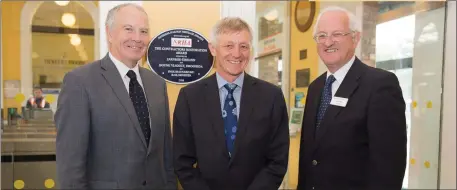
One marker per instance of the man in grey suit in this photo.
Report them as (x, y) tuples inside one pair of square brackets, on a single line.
[(113, 128)]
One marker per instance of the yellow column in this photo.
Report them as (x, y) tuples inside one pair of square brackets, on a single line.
[(299, 41), (11, 60)]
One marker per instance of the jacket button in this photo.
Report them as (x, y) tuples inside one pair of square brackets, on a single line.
[(144, 182), (314, 162)]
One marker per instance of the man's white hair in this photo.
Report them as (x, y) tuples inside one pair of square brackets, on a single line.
[(112, 13), (354, 23)]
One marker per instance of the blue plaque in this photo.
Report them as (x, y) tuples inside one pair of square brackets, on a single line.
[(180, 56)]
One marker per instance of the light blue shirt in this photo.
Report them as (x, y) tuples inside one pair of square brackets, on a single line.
[(236, 93)]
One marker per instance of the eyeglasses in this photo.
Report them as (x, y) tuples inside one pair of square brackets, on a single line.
[(336, 36)]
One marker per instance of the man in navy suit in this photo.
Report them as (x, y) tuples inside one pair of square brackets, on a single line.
[(354, 126), (220, 141)]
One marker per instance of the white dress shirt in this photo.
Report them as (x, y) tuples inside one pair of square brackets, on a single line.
[(236, 93), (339, 75), (123, 69)]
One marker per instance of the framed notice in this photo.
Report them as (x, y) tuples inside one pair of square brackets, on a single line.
[(12, 88), (180, 56), (302, 78), (295, 121)]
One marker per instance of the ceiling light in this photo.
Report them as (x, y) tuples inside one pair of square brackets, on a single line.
[(68, 19), (272, 15), (35, 55), (75, 40), (62, 3)]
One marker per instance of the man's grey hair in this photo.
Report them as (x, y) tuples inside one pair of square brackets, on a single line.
[(354, 24), (229, 24), (112, 13)]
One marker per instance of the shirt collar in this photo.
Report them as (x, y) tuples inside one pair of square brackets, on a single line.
[(122, 68), (341, 73), (221, 81)]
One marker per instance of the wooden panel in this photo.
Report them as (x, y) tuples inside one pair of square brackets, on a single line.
[(409, 10), (62, 30)]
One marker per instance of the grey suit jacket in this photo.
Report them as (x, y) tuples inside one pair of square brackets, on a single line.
[(99, 143)]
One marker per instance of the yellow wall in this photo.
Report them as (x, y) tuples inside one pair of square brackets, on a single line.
[(299, 41), (11, 60), (199, 16)]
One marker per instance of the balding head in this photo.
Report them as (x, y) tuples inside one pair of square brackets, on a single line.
[(127, 29), (353, 22), (111, 17), (337, 34)]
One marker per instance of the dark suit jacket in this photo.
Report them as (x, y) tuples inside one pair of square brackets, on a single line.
[(360, 146), (262, 142), (100, 144)]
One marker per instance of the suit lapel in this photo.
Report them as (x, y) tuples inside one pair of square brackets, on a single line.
[(111, 75), (346, 89), (153, 104), (247, 101), (213, 104)]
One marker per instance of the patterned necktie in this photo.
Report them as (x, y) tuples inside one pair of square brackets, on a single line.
[(230, 119), (139, 102), (325, 99)]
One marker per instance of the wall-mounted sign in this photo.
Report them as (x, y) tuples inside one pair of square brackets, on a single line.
[(271, 44), (11, 88), (63, 62), (296, 120), (180, 56), (302, 77)]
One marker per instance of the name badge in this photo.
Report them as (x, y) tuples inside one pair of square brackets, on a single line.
[(338, 101)]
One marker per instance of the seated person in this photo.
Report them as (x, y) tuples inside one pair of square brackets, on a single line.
[(37, 101)]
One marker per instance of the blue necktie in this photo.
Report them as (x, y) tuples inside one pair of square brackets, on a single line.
[(325, 99), (139, 102), (230, 119)]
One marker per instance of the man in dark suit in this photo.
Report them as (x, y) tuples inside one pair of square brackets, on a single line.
[(113, 127), (230, 130), (354, 126)]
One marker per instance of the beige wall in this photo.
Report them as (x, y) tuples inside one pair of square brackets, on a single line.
[(199, 16)]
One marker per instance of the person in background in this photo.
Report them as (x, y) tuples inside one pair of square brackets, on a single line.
[(37, 100), (354, 127)]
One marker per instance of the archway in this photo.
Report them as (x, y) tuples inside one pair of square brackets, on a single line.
[(27, 14)]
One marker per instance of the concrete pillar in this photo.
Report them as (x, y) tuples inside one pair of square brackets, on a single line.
[(448, 142), (368, 15)]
